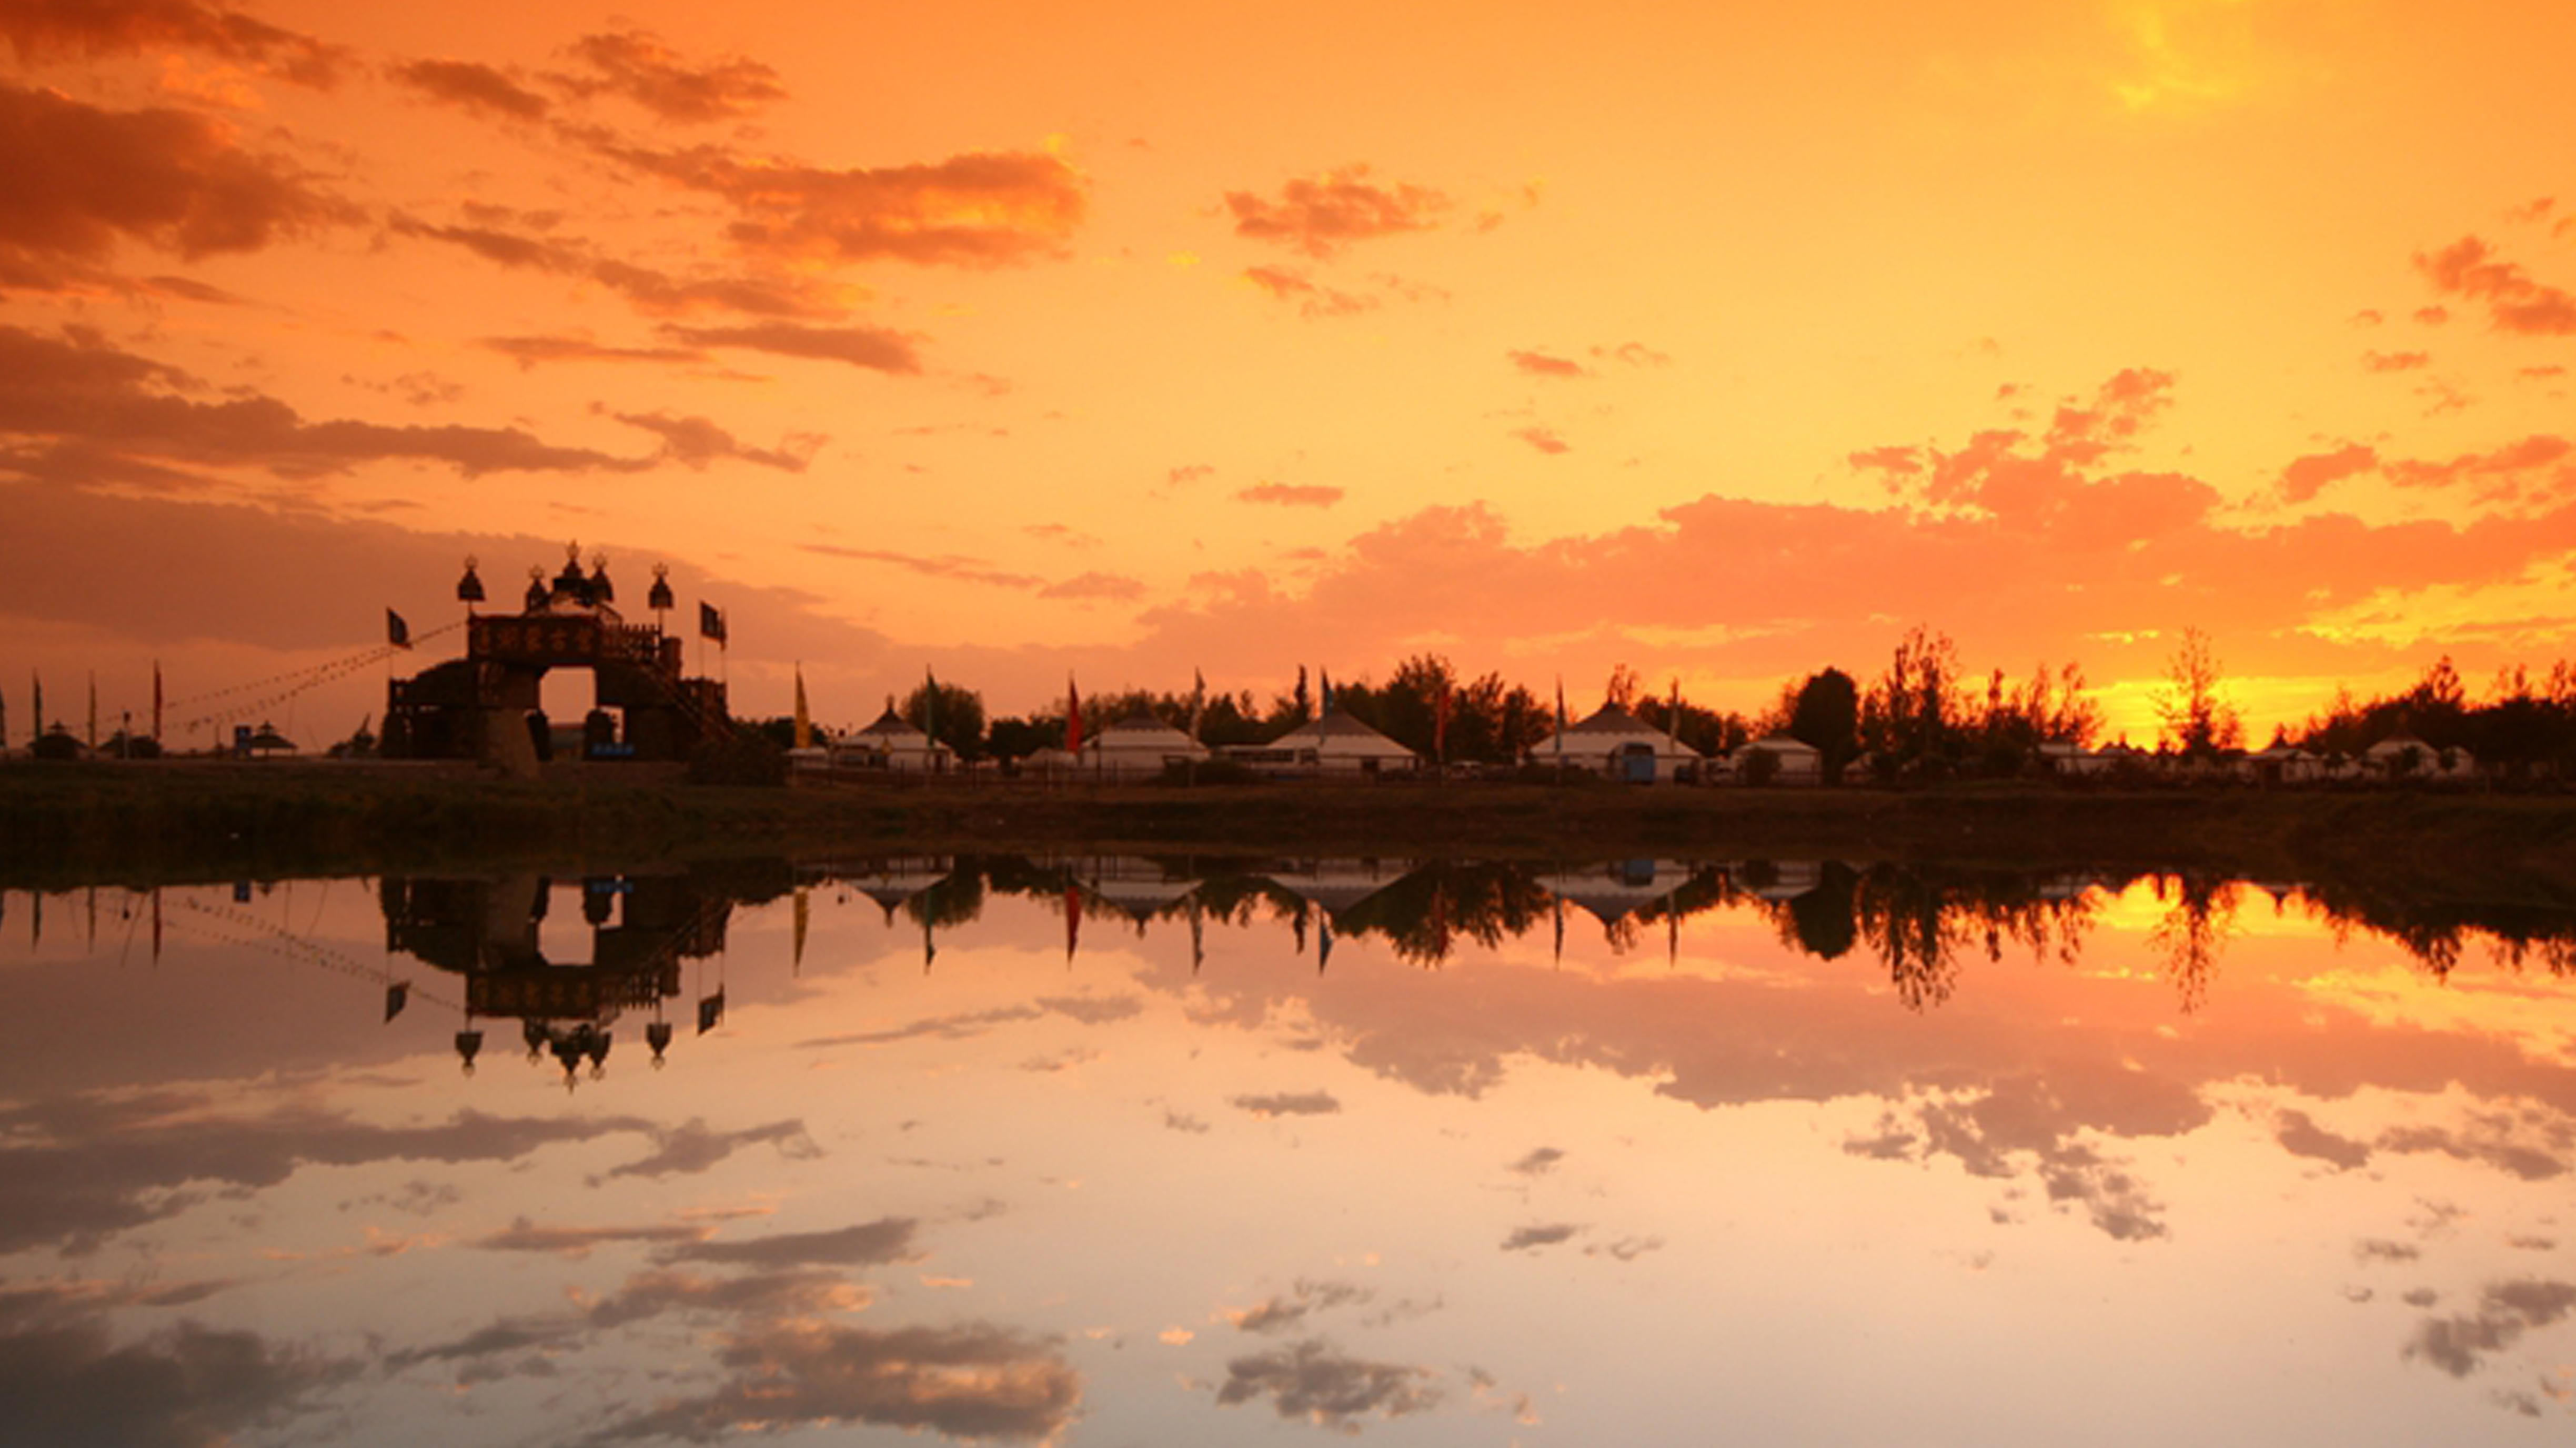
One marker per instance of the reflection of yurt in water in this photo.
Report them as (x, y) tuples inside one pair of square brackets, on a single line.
[(1336, 886), (1615, 891), (512, 939), (1778, 879), (892, 882), (1140, 888)]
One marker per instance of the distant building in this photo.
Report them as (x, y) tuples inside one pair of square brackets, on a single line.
[(1616, 744), (893, 743), (1335, 745), (1792, 761)]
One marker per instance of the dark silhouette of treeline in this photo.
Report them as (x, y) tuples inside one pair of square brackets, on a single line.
[(2524, 728), (1922, 715), (1921, 924)]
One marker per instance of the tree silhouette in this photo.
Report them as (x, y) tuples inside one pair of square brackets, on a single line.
[(2197, 718)]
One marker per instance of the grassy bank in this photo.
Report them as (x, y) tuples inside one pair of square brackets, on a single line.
[(195, 820)]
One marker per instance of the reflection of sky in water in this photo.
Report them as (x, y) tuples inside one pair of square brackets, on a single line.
[(1680, 1184)]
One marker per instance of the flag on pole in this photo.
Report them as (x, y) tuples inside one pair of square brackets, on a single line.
[(39, 681), (1198, 702), (93, 710), (929, 704), (1327, 681), (804, 726), (710, 1011), (1560, 720), (1302, 700), (397, 632), (711, 622), (156, 701), (1072, 715), (1440, 724)]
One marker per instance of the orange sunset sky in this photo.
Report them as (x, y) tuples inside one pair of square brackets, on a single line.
[(1723, 340)]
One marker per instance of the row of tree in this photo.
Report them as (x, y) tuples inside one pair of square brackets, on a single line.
[(1922, 716)]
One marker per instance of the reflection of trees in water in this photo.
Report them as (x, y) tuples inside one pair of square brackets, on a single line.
[(2438, 932), (2200, 916), (1425, 914), (1921, 922)]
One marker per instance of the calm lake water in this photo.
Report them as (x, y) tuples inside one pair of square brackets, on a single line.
[(1115, 1151)]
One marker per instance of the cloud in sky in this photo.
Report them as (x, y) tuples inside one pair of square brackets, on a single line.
[(2461, 1344), (986, 208), (1316, 1382), (474, 86), (76, 406), (1290, 495), (641, 68), (1544, 364), (873, 348), (694, 442), (973, 1381), (1319, 216), (658, 293), (82, 177), (2472, 269), (1312, 298), (44, 29)]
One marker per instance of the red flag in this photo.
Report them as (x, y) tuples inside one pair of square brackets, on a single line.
[(1072, 717)]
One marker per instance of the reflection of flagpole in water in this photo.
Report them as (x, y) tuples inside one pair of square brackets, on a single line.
[(92, 947), (804, 909), (1072, 919), (1560, 930), (1323, 940), (1673, 939), (156, 925), (1198, 946)]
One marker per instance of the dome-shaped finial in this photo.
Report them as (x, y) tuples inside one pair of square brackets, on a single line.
[(469, 589), (660, 599), (599, 584)]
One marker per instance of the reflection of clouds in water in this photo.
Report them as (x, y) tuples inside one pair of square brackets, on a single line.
[(66, 1382), (971, 1381), (80, 1170), (1290, 1103), (2035, 1118), (1278, 1314), (2498, 1139), (2458, 1345), (1539, 1162), (524, 1235), (784, 1362), (2380, 1249), (1524, 1239), (888, 1239), (691, 1148), (1319, 1383), (2300, 1135), (965, 1025)]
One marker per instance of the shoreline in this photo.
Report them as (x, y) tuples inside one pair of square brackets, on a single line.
[(177, 820)]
